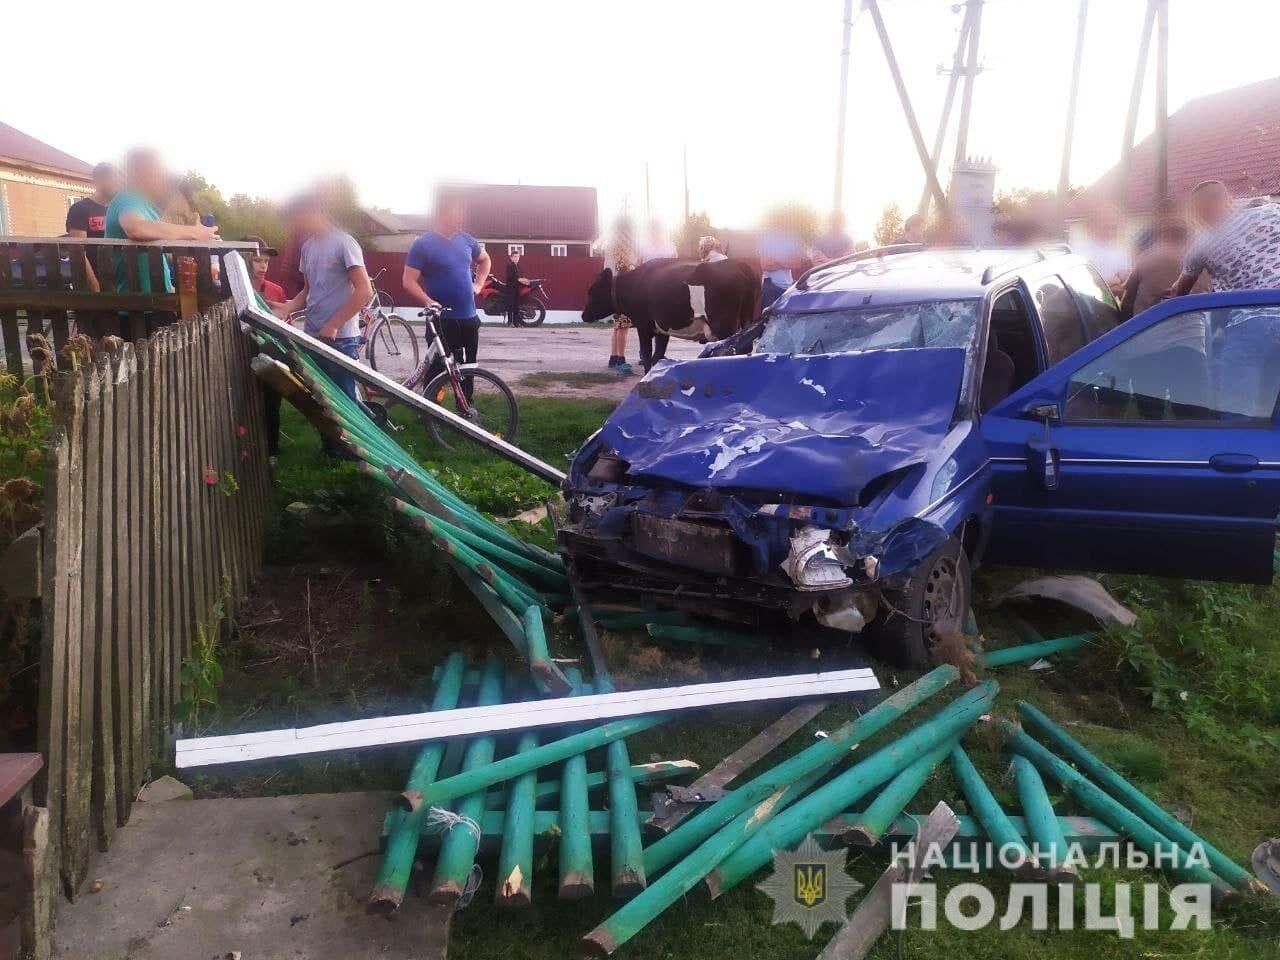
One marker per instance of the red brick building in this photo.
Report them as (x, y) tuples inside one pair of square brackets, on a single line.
[(553, 227)]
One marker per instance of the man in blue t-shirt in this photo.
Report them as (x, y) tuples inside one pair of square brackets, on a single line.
[(446, 267)]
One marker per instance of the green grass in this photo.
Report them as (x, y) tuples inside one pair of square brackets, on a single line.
[(1211, 755), (583, 380)]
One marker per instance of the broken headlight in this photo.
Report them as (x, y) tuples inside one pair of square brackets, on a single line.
[(815, 561)]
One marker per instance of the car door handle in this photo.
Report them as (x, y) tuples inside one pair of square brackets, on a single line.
[(1233, 462)]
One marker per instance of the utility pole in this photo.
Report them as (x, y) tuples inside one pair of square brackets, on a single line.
[(971, 70), (1064, 175), (838, 201), (1135, 100), (957, 67), (873, 7), (648, 205), (1162, 107)]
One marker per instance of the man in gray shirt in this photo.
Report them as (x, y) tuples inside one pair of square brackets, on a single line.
[(335, 285)]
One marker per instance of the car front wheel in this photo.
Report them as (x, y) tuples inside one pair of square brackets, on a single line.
[(931, 606)]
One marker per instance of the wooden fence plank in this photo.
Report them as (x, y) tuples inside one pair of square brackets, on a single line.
[(146, 556), (123, 608), (52, 715), (12, 345), (137, 684), (96, 602), (78, 747), (162, 590)]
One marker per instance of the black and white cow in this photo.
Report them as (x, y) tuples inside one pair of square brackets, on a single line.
[(690, 299)]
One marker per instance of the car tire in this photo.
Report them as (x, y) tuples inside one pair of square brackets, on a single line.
[(933, 603)]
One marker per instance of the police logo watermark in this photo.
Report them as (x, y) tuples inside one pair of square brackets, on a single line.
[(809, 886)]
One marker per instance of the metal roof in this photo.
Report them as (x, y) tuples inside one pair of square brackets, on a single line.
[(16, 145)]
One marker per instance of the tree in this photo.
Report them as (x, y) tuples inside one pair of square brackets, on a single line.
[(241, 216), (889, 227)]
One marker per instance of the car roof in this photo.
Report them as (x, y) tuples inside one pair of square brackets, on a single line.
[(911, 274)]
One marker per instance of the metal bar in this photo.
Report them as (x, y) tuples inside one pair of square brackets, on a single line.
[(247, 305), (873, 7), (746, 756)]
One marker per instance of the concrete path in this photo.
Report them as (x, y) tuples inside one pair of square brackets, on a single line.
[(200, 879)]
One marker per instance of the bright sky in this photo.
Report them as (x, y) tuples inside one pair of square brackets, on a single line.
[(263, 97)]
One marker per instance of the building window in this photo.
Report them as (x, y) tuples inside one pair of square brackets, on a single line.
[(559, 249), (515, 248)]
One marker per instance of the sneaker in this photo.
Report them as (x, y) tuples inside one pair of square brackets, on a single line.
[(623, 369)]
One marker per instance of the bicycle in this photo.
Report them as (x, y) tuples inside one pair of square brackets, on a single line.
[(387, 339), (466, 389)]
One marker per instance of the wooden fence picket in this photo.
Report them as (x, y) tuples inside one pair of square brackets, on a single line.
[(137, 549)]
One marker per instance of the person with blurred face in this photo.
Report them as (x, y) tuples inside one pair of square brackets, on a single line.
[(913, 229), (1239, 243), (134, 214), (657, 245), (1104, 248), (445, 268), (335, 288), (515, 282), (835, 242), (87, 217)]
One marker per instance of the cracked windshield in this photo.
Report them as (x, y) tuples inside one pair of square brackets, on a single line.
[(946, 323)]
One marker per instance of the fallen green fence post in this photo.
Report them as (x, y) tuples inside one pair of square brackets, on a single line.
[(819, 754), (626, 850), (707, 636), (471, 780), (1034, 651), (994, 820), (641, 773), (402, 845), (507, 621), (515, 862), (808, 814), (462, 838), (577, 867), (1135, 799), (544, 669), (870, 826), (1048, 844), (1102, 805)]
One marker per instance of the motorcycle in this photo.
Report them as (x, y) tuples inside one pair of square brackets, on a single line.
[(495, 300)]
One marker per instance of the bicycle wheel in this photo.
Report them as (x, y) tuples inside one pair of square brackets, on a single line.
[(393, 348), (493, 408)]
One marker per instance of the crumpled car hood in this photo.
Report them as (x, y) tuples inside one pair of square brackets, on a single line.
[(820, 426)]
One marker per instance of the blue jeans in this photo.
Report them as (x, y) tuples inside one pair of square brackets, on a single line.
[(344, 379), (1250, 348)]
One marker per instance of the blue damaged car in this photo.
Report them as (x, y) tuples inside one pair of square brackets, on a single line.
[(901, 415)]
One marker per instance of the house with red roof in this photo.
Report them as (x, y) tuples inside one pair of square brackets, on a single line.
[(1232, 136), (37, 185), (553, 227)]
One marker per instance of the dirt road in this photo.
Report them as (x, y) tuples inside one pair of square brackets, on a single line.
[(563, 361)]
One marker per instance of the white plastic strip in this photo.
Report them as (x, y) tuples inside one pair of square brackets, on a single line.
[(475, 721)]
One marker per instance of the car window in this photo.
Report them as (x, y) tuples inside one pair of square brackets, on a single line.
[(939, 323), (1199, 366), (1101, 312), (1063, 333)]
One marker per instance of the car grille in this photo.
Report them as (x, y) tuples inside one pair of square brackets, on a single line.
[(700, 546)]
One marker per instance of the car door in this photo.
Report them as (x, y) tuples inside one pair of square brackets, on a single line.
[(1154, 449)]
